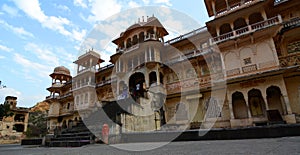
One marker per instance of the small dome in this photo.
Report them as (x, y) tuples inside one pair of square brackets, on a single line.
[(61, 70)]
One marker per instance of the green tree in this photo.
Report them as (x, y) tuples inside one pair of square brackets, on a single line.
[(5, 111), (37, 124)]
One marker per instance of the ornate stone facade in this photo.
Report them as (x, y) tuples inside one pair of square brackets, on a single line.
[(245, 72)]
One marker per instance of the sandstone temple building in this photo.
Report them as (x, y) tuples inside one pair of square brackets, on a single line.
[(240, 70), (12, 128)]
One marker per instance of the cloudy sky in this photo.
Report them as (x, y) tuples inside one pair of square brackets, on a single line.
[(38, 35)]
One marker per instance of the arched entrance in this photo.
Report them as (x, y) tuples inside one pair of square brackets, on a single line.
[(152, 78), (240, 109), (274, 98), (256, 103), (136, 85), (225, 28), (64, 125)]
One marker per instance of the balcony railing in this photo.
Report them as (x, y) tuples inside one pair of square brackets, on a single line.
[(151, 37), (57, 85), (120, 50), (185, 36), (65, 95), (87, 70), (248, 29), (193, 83), (52, 97), (250, 68), (134, 47), (277, 2), (233, 72), (66, 111), (290, 60), (102, 83), (294, 22), (190, 54), (106, 67), (235, 6), (81, 85)]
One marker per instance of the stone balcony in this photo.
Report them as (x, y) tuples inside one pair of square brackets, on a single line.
[(291, 24), (247, 30), (249, 69), (52, 97), (290, 60), (103, 83), (188, 84), (87, 70), (277, 2), (234, 7), (185, 36), (83, 85), (69, 94), (65, 112)]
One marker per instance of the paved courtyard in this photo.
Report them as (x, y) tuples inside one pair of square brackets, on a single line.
[(286, 145)]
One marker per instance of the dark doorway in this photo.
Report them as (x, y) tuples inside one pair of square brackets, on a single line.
[(136, 85), (240, 109)]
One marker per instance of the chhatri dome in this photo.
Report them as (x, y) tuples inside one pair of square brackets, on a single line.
[(61, 70)]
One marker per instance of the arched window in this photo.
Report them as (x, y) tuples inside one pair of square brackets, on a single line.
[(135, 40), (255, 18), (141, 37), (225, 28), (274, 98), (239, 106), (152, 78), (256, 103)]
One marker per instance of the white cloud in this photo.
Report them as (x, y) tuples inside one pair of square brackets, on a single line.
[(32, 68), (80, 3), (33, 10), (43, 53), (62, 7), (17, 30), (103, 9), (10, 10), (2, 57), (23, 100), (166, 2), (79, 35), (8, 92), (146, 2), (133, 4), (5, 48)]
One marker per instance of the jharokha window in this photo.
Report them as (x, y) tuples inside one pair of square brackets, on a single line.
[(294, 47), (247, 61)]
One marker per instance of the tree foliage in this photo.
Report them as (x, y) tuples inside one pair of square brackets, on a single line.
[(37, 124), (5, 111)]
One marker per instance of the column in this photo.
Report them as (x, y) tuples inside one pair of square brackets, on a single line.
[(147, 78), (285, 97), (213, 7), (228, 7), (230, 106), (157, 76), (248, 23), (146, 54), (264, 15), (248, 109), (232, 28), (287, 103), (264, 95)]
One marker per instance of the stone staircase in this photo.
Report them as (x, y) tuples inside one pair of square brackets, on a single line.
[(74, 137)]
